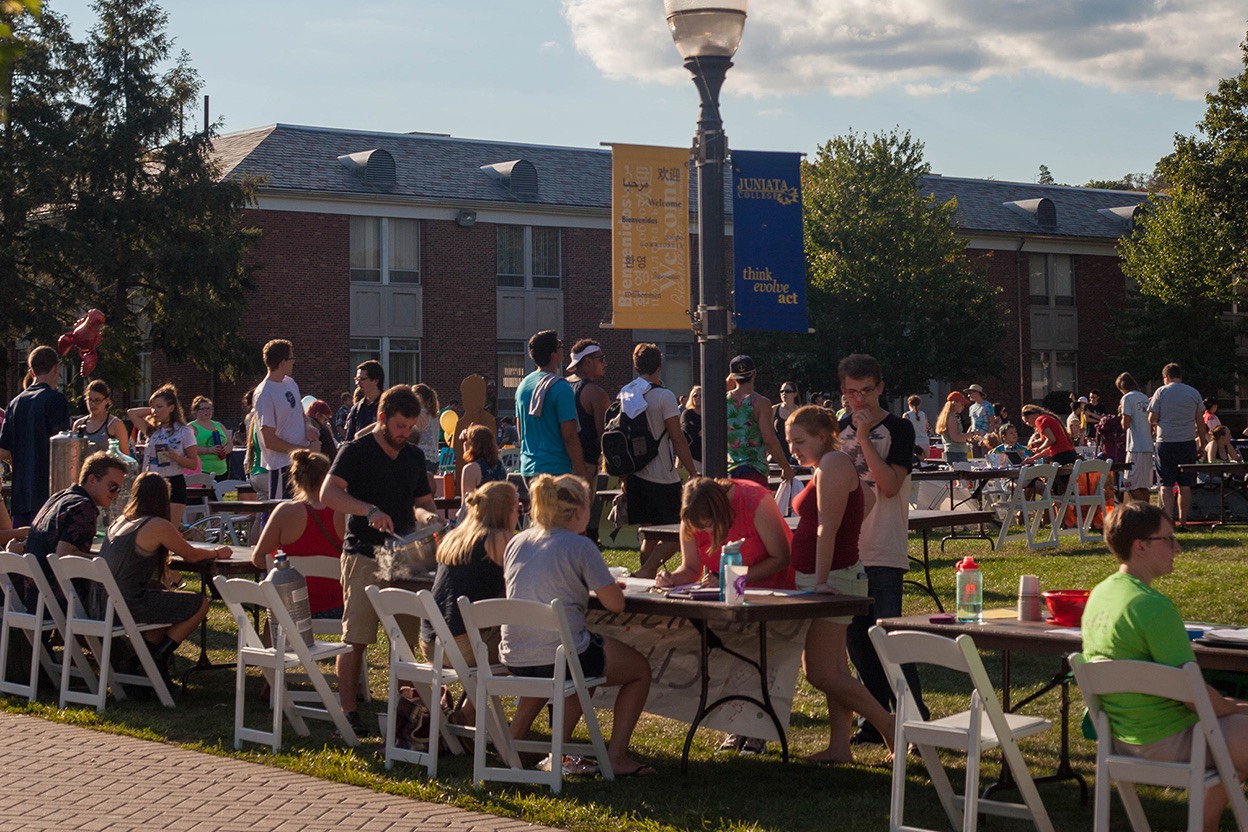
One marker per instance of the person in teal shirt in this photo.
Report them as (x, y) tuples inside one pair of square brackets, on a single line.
[(1009, 444), (1127, 618), (546, 414)]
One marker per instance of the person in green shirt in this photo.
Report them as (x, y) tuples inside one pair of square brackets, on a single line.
[(1126, 618), (212, 440)]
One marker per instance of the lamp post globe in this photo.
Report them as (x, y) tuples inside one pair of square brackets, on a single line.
[(707, 34)]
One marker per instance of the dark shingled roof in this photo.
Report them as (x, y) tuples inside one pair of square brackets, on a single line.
[(296, 159), (981, 207)]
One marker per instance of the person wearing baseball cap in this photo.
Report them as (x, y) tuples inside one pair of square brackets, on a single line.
[(983, 415), (751, 434)]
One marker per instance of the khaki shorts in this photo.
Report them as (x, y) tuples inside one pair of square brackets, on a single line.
[(359, 618), (492, 638), (1176, 748), (852, 580)]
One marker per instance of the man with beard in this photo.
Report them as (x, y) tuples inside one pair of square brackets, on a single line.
[(379, 481)]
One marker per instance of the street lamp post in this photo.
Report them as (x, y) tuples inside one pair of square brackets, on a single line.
[(707, 33)]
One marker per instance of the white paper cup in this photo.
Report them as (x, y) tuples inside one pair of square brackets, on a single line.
[(1028, 585)]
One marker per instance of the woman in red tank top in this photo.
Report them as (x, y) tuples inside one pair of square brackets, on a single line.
[(306, 526), (825, 554)]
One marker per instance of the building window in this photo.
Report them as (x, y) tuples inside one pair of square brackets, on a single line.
[(511, 370), (380, 240), (1053, 370), (1051, 279), (529, 257), (399, 356)]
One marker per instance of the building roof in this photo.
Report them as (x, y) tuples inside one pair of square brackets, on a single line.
[(428, 167), (983, 207)]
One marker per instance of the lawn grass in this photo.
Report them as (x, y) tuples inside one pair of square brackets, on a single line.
[(720, 791)]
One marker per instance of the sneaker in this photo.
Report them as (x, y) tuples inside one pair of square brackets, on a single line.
[(572, 766), (732, 742), (753, 745), (353, 719), (866, 736)]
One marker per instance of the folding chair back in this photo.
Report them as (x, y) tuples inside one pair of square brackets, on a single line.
[(100, 632), (984, 726), (46, 616), (568, 679), (1086, 505), (330, 568), (288, 651), (1182, 684), (427, 677), (1032, 510)]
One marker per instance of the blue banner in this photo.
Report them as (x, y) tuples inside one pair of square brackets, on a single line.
[(768, 253)]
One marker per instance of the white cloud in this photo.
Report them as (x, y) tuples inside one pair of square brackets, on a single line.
[(550, 46), (927, 47)]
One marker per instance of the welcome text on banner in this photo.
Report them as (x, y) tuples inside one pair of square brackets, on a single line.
[(649, 237), (768, 255)]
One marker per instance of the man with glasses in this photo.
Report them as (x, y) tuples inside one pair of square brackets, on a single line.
[(370, 378), (881, 446), (66, 524), (1126, 618)]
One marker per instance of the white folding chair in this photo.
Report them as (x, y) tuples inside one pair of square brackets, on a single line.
[(43, 619), (1183, 684), (568, 678), (984, 726), (1033, 510), (100, 632), (1088, 503), (427, 677), (510, 457), (330, 568), (235, 526), (288, 651)]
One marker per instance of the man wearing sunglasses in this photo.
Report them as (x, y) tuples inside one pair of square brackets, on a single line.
[(66, 523)]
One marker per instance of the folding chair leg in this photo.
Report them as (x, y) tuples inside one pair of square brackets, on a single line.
[(153, 673), (392, 718), (1131, 802), (278, 686), (332, 706), (240, 700)]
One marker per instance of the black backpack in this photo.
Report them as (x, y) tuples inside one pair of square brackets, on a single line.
[(627, 444)]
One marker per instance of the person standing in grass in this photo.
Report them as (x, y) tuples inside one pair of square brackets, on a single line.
[(1127, 618), (212, 440)]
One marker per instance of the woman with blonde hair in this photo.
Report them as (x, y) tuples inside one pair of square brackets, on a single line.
[(306, 527), (553, 559), (470, 562), (831, 509), (170, 445), (949, 429)]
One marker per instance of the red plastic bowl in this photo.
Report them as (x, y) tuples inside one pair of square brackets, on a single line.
[(1066, 605)]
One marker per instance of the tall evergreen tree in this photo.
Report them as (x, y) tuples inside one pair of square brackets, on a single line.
[(886, 273)]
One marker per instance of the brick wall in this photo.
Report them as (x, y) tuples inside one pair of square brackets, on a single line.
[(1100, 296)]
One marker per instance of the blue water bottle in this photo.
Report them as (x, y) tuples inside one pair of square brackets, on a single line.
[(730, 555)]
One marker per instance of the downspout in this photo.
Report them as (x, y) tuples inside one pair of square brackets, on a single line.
[(1018, 283)]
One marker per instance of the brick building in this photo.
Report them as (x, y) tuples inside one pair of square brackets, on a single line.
[(440, 256)]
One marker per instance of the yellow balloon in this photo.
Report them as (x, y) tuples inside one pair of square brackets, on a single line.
[(448, 422)]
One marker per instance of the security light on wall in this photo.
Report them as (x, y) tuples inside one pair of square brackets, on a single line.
[(466, 218)]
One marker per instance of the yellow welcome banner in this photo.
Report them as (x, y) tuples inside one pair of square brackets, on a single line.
[(649, 237)]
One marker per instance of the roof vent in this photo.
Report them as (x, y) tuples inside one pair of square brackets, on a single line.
[(1040, 211), (520, 177), (375, 166), (1126, 214)]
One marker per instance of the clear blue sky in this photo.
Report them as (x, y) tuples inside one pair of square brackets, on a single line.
[(994, 88)]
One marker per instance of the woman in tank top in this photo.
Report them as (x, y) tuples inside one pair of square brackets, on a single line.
[(825, 556), (136, 553), (481, 462), (304, 526), (99, 425)]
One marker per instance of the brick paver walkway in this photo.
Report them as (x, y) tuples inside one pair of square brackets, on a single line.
[(59, 777)]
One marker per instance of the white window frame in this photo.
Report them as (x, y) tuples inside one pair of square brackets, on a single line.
[(529, 279), (385, 251), (381, 348)]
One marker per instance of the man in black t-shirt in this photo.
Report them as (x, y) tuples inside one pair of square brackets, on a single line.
[(369, 377), (379, 481)]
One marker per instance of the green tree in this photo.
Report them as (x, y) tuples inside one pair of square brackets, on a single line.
[(1044, 176), (1193, 243), (144, 227), (886, 274), (11, 45)]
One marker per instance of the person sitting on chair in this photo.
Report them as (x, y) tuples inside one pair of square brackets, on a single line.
[(1126, 618)]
